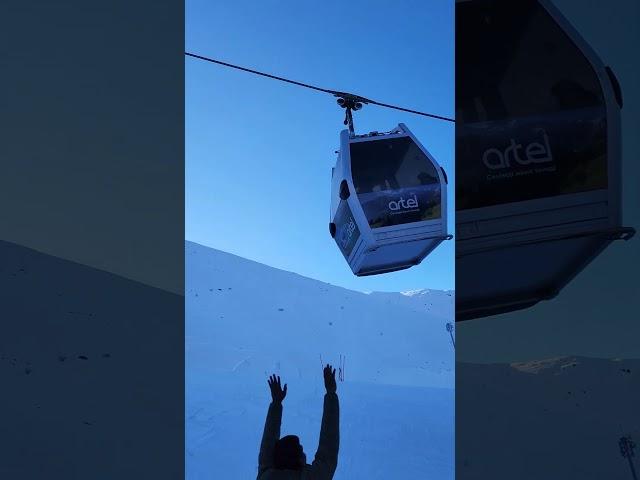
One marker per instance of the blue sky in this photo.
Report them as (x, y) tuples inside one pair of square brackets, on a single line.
[(259, 152)]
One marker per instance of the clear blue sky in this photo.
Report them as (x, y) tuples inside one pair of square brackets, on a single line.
[(259, 152)]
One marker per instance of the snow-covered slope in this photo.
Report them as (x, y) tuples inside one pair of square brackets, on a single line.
[(83, 357), (246, 320), (557, 418)]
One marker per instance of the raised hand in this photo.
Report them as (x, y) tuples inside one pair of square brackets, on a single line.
[(330, 379), (277, 392)]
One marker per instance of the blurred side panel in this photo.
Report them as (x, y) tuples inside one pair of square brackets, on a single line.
[(546, 211), (92, 239)]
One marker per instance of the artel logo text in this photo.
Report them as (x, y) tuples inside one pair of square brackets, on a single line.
[(403, 204), (534, 152)]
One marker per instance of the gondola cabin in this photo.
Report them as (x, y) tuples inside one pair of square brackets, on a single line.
[(388, 201), (538, 156)]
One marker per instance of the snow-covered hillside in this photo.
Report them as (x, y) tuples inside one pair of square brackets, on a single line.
[(84, 367), (558, 418), (246, 320)]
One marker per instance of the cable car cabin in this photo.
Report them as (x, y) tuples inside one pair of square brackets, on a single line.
[(388, 201), (537, 155)]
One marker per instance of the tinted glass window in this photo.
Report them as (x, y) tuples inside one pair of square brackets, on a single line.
[(390, 164), (531, 118), (514, 60), (395, 181)]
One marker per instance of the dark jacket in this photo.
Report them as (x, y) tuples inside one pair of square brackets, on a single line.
[(326, 459)]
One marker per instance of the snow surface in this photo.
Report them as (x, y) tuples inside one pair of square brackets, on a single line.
[(84, 369), (245, 320), (558, 418), (68, 400)]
